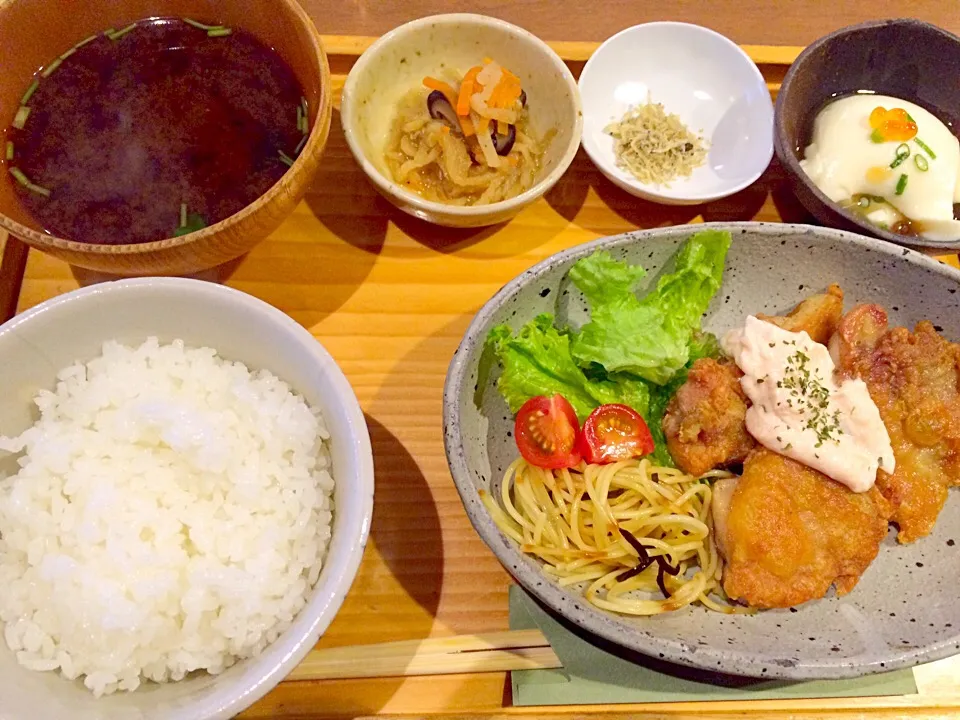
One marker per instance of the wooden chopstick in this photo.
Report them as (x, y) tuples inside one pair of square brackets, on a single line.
[(12, 265), (503, 652), (490, 652), (570, 51)]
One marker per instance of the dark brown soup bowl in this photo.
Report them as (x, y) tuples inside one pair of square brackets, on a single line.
[(909, 59), (34, 32)]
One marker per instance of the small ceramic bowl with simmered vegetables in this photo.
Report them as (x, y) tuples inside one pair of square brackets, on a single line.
[(462, 120), (866, 131)]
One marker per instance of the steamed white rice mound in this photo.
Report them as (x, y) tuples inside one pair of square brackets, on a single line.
[(170, 514)]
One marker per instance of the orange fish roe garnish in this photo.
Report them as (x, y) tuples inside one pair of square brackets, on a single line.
[(894, 125)]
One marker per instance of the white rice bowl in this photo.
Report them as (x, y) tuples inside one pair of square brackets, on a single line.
[(170, 515)]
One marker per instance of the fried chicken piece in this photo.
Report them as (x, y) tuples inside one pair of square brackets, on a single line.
[(789, 532), (914, 379), (818, 315), (704, 422)]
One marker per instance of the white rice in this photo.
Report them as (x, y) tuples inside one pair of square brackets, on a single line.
[(170, 514)]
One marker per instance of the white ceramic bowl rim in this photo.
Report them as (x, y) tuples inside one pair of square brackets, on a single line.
[(679, 193), (436, 207), (342, 560)]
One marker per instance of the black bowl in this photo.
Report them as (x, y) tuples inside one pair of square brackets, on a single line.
[(909, 59)]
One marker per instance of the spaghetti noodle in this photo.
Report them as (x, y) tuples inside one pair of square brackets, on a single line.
[(625, 527)]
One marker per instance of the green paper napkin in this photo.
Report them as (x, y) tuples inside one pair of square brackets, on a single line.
[(591, 675)]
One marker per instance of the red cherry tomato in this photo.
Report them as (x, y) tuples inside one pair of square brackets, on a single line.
[(546, 431), (613, 433)]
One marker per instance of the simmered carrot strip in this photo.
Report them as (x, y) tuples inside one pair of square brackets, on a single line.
[(466, 125), (448, 92), (467, 88), (506, 92)]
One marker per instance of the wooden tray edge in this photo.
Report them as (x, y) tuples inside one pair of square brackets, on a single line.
[(570, 51)]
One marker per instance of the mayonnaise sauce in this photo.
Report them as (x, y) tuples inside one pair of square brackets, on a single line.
[(801, 412)]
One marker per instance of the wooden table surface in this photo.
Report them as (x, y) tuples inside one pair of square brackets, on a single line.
[(390, 296), (748, 22)]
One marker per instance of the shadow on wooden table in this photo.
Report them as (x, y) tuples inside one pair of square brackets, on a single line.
[(406, 526), (219, 274), (344, 200), (568, 196), (570, 199), (789, 208), (437, 238), (743, 205), (398, 602)]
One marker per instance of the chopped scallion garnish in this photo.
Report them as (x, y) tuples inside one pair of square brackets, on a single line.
[(903, 152), (305, 113), (109, 31), (863, 202), (20, 177), (20, 119), (120, 33), (901, 184), (183, 214), (68, 53), (921, 162), (200, 25), (877, 136), (219, 32), (926, 148), (189, 224), (303, 141), (9, 149), (48, 70), (300, 118), (285, 159), (38, 189), (30, 91), (85, 42), (25, 181)]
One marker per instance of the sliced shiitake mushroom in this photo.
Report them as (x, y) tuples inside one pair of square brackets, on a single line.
[(503, 144), (440, 109)]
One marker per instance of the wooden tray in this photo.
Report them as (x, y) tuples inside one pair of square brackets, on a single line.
[(390, 297)]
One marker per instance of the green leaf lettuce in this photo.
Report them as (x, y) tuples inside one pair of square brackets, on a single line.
[(633, 351), (537, 361), (649, 338)]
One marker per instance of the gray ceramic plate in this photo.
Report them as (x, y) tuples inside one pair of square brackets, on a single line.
[(906, 608)]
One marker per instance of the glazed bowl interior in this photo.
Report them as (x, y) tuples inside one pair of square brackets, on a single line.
[(35, 345), (34, 32), (398, 63), (705, 79), (908, 59), (904, 609)]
